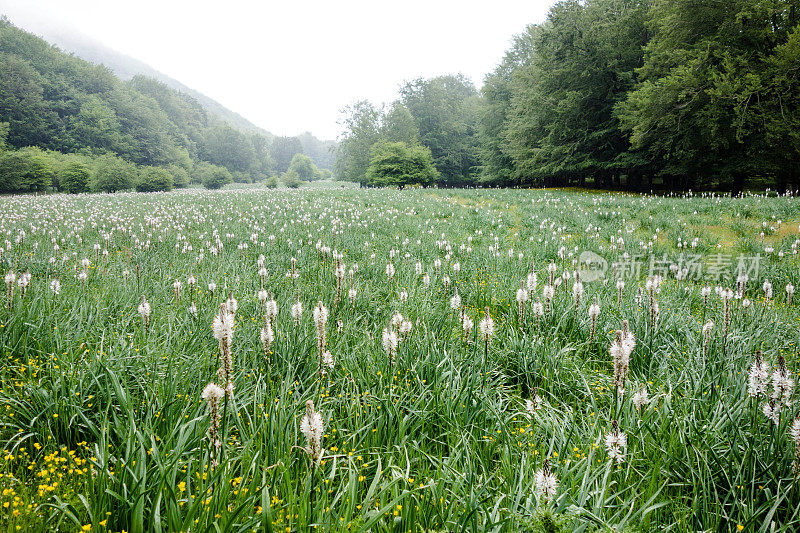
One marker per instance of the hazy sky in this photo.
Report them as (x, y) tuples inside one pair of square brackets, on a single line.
[(291, 66)]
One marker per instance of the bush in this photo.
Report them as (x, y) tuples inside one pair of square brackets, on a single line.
[(154, 179), (398, 164), (291, 179), (113, 174), (180, 178), (75, 178), (303, 167), (214, 177), (271, 182), (24, 170)]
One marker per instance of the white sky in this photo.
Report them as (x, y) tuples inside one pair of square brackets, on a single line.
[(290, 66)]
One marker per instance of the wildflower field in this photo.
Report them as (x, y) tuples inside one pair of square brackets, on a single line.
[(418, 360)]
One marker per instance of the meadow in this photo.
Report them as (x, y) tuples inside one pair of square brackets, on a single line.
[(382, 360)]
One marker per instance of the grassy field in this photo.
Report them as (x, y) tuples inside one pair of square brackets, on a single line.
[(541, 417)]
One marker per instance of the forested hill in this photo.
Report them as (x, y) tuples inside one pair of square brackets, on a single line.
[(126, 67), (53, 103)]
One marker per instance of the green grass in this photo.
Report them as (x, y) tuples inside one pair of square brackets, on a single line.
[(103, 427)]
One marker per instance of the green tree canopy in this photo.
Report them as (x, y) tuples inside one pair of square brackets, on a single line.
[(323, 153), (561, 124), (283, 149), (4, 127), (361, 123), (398, 164), (154, 179), (25, 170), (304, 167), (180, 177), (74, 178), (290, 179), (498, 166), (213, 176), (112, 174), (709, 103), (57, 101), (397, 125), (445, 111)]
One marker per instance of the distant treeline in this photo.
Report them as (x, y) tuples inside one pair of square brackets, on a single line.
[(639, 95), (56, 110)]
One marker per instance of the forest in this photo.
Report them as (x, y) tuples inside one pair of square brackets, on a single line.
[(641, 95), (638, 95), (69, 125)]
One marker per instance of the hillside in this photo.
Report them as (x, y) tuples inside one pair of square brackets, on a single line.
[(126, 67), (56, 102)]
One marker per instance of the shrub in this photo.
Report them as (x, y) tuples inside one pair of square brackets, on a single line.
[(180, 177), (113, 174), (75, 178), (154, 179), (215, 177), (291, 179), (271, 182), (24, 171), (303, 167), (398, 164)]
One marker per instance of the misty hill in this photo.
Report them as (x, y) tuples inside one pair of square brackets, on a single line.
[(60, 102), (56, 101), (321, 152), (126, 67)]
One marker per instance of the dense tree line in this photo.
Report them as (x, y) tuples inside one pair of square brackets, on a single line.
[(634, 94), (53, 104), (32, 169), (439, 114)]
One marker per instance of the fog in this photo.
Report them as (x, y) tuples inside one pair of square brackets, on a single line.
[(290, 67)]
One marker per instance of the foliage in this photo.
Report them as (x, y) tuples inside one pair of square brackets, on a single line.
[(75, 177), (59, 102), (361, 123), (398, 164), (439, 113), (561, 123), (398, 125), (630, 94), (498, 165), (283, 150), (154, 179), (271, 182), (104, 426), (303, 167), (180, 177), (445, 112), (323, 153), (25, 170), (291, 179), (112, 174), (690, 112), (213, 176), (4, 127)]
